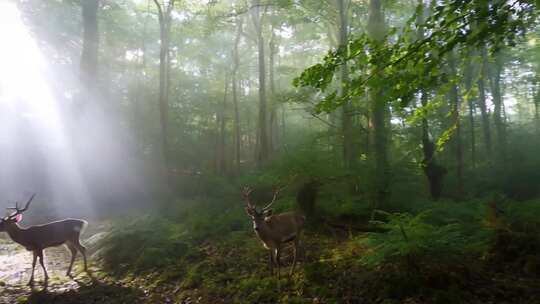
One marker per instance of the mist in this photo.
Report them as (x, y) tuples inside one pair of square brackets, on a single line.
[(277, 151), (75, 156)]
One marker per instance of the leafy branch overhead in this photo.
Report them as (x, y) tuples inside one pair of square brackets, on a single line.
[(402, 65)]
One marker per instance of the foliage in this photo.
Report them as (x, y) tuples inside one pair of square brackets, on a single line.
[(447, 231), (402, 66), (428, 253), (154, 241)]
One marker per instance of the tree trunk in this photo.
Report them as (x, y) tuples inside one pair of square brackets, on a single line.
[(164, 17), (346, 122), (482, 8), (89, 56), (376, 29), (434, 172), (482, 103), (140, 90), (221, 158), (495, 82), (273, 127), (470, 100), (262, 149), (283, 125), (458, 146), (537, 111), (236, 61)]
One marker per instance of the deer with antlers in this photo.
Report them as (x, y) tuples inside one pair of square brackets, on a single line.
[(37, 238), (275, 230)]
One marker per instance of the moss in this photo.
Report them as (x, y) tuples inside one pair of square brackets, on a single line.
[(427, 254)]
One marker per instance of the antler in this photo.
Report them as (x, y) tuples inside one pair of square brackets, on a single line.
[(245, 194), (277, 190), (18, 210)]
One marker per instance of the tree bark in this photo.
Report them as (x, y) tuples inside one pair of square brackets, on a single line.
[(346, 119), (376, 29), (482, 103), (273, 126), (482, 8), (89, 56), (537, 111), (221, 158), (140, 91), (262, 149), (434, 172), (498, 119), (236, 65), (164, 17), (458, 146), (470, 100)]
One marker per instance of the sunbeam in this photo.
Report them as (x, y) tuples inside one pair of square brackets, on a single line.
[(37, 153)]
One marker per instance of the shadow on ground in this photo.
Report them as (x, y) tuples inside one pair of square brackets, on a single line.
[(93, 292), (94, 287)]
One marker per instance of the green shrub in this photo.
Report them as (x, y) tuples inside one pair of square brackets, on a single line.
[(446, 231)]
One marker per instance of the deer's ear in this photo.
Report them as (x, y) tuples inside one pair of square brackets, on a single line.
[(18, 218), (268, 213)]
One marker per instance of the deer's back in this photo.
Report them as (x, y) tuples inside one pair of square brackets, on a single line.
[(54, 233)]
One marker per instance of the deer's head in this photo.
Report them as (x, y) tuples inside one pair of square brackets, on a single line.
[(16, 216), (257, 217)]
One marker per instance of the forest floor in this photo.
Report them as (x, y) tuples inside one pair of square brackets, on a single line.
[(210, 257), (101, 287), (95, 287)]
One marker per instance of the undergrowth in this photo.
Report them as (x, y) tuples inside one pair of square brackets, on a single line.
[(207, 250)]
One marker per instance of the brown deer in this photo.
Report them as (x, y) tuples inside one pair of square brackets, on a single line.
[(37, 238), (275, 230)]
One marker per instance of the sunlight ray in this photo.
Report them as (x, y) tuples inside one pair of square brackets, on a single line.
[(33, 133)]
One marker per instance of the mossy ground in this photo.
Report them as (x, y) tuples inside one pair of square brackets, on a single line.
[(202, 254), (444, 253)]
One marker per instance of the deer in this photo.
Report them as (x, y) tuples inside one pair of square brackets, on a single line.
[(37, 238), (274, 231)]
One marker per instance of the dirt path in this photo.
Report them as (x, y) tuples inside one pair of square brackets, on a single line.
[(15, 269)]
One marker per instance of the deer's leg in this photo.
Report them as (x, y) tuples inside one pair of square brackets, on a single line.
[(295, 248), (82, 249), (40, 255), (73, 250), (271, 261), (278, 254), (33, 267)]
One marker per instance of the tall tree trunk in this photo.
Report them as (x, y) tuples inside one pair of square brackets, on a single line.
[(470, 100), (262, 148), (273, 126), (346, 117), (376, 29), (458, 146), (537, 111), (236, 65), (221, 158), (140, 91), (482, 103), (164, 17), (89, 56), (498, 119), (482, 8), (434, 172), (283, 125)]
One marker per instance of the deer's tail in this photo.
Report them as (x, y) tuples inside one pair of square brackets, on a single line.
[(81, 227)]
